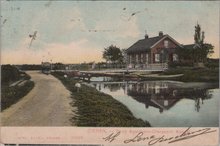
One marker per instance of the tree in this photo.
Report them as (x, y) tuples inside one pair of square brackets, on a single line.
[(124, 55), (113, 54), (207, 50), (199, 36), (201, 50)]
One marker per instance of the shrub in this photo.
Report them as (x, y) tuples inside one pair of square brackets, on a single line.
[(10, 95), (180, 64), (9, 74)]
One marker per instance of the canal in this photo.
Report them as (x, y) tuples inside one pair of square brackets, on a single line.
[(166, 103)]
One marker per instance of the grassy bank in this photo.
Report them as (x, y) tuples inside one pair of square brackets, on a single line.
[(195, 74), (98, 109), (11, 95)]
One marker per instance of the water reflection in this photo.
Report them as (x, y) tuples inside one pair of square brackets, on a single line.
[(187, 104), (161, 94), (164, 96)]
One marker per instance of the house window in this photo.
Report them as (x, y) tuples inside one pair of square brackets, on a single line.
[(165, 102), (157, 89), (142, 58), (157, 58), (166, 44), (175, 57), (136, 58), (130, 59), (146, 58), (147, 88)]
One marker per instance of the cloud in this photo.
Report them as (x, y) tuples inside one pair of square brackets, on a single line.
[(129, 28), (72, 21), (121, 28), (74, 52)]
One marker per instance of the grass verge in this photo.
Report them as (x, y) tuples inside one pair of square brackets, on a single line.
[(97, 109), (195, 74), (11, 95)]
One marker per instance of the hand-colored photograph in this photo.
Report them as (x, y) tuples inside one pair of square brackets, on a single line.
[(109, 63)]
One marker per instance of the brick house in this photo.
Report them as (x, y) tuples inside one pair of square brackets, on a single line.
[(153, 52)]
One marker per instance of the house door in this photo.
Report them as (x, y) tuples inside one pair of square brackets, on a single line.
[(164, 58), (170, 57)]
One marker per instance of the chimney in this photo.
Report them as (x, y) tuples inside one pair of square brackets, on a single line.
[(146, 36), (160, 33)]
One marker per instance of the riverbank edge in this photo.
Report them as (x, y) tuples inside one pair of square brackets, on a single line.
[(176, 74), (97, 109)]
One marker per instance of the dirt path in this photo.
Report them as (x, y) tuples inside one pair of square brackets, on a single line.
[(48, 104)]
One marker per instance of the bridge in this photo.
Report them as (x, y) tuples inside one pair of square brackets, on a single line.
[(86, 75)]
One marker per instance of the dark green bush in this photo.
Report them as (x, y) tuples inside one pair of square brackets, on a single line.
[(11, 95), (180, 64), (9, 74)]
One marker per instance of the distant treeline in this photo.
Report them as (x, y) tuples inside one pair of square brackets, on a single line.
[(211, 63), (29, 67), (80, 66)]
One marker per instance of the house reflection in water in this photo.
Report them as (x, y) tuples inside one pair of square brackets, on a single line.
[(162, 95)]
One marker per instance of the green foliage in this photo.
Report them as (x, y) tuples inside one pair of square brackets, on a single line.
[(199, 36), (198, 52), (113, 54), (30, 67), (58, 66), (97, 109), (180, 64), (201, 51), (9, 74), (10, 95), (207, 50), (195, 74), (212, 63)]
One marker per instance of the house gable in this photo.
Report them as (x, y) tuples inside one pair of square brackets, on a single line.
[(160, 45), (173, 43)]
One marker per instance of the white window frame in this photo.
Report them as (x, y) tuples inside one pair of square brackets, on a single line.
[(130, 59), (175, 57), (157, 89), (165, 102), (157, 57), (147, 58), (166, 43), (142, 58), (136, 57)]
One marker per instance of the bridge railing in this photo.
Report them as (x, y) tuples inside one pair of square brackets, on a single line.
[(154, 66)]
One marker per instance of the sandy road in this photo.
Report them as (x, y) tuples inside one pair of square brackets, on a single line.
[(47, 104)]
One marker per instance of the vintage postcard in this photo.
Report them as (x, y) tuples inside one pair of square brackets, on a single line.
[(109, 73)]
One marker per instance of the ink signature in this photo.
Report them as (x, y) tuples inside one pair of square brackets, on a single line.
[(152, 140)]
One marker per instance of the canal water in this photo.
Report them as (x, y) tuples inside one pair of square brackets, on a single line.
[(166, 103)]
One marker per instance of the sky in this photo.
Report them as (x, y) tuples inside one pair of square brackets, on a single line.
[(78, 31)]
